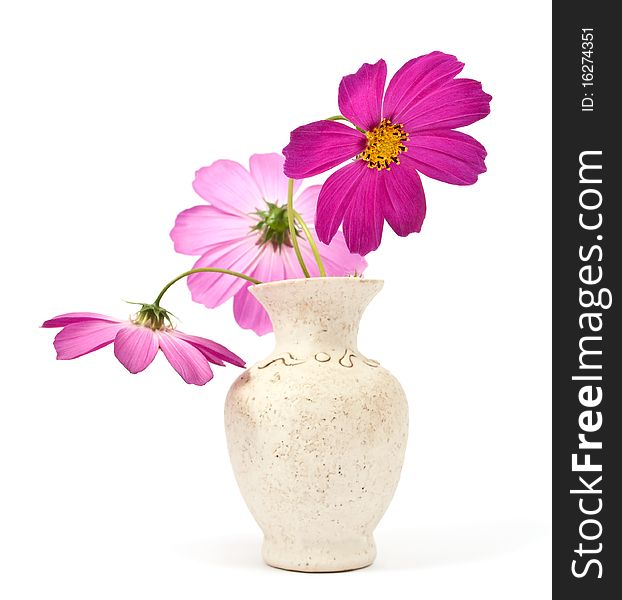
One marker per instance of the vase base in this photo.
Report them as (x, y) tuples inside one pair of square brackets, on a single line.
[(327, 557)]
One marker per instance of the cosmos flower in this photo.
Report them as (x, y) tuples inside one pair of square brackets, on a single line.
[(407, 130), (137, 341), (244, 228)]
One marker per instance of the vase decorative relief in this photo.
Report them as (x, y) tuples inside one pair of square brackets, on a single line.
[(317, 431)]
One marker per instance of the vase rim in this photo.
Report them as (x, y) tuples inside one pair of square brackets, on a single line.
[(324, 280)]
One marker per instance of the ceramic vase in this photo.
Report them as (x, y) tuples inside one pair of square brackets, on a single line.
[(317, 431)]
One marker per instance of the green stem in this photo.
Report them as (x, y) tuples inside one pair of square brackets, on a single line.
[(292, 227), (314, 248), (342, 118), (203, 270)]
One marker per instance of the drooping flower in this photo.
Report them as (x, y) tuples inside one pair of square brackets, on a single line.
[(137, 341), (244, 228), (407, 130)]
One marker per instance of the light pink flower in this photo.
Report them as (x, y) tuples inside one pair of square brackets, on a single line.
[(244, 228), (136, 344)]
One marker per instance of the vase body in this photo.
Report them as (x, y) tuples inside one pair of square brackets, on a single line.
[(316, 431)]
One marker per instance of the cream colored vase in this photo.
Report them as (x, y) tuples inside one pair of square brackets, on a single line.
[(317, 431)]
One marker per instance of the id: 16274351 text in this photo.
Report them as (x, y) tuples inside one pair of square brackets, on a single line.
[(587, 70)]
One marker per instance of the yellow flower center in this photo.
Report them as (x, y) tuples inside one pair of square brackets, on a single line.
[(384, 145)]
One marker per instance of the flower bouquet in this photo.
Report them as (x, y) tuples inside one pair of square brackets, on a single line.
[(316, 431)]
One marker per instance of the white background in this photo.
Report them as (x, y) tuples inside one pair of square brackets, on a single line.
[(119, 486)]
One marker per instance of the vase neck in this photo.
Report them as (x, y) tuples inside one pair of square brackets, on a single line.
[(317, 314)]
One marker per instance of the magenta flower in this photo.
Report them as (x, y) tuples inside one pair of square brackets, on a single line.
[(407, 130), (244, 228), (137, 342)]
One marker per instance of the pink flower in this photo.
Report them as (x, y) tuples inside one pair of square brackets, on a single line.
[(407, 130), (137, 342), (244, 228)]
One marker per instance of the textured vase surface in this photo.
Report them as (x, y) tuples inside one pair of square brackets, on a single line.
[(317, 431)]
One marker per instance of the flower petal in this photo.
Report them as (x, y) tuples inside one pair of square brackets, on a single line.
[(363, 220), (213, 351), (402, 197), (338, 191), (78, 339), (446, 155), (212, 289), (360, 95), (417, 78), (77, 317), (320, 146), (135, 347), (248, 312), (306, 203), (337, 259), (291, 265), (229, 186), (187, 360), (201, 227), (456, 104), (267, 171)]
